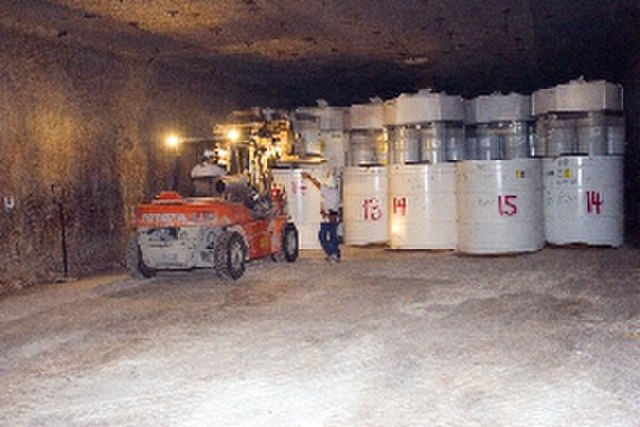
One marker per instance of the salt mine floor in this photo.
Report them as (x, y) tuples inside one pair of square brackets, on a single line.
[(384, 338)]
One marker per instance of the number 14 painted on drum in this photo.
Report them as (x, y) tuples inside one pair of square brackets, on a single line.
[(595, 202)]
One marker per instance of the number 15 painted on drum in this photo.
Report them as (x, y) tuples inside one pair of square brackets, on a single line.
[(507, 205)]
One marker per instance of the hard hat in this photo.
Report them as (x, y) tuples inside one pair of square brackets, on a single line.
[(330, 181)]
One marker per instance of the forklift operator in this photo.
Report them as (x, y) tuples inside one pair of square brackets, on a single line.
[(205, 175)]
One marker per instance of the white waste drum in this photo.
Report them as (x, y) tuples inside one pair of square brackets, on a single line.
[(583, 200), (500, 206), (423, 206), (303, 203), (365, 201)]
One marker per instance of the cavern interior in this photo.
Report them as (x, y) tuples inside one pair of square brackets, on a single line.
[(90, 88), (90, 91)]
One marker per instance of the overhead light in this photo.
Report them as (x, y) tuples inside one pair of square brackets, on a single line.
[(233, 135), (172, 140)]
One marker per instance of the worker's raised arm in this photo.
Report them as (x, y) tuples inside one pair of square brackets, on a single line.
[(314, 181)]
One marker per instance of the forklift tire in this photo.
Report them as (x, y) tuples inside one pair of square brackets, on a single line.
[(134, 262), (290, 244), (220, 254), (236, 253)]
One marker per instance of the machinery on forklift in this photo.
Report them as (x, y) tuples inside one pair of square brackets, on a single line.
[(238, 222)]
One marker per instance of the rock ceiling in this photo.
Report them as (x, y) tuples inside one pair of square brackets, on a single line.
[(354, 49)]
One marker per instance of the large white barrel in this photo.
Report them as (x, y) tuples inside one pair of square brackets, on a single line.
[(365, 201), (422, 211), (500, 206), (307, 127), (303, 203), (426, 106), (367, 147), (366, 116), (543, 101), (562, 138), (436, 126), (332, 118), (501, 124), (333, 147), (406, 145), (329, 118), (583, 201), (591, 131), (490, 146), (541, 136), (584, 133), (433, 143), (580, 95), (579, 118), (498, 108), (615, 135)]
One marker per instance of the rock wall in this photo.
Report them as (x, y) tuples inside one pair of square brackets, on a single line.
[(81, 135), (631, 86)]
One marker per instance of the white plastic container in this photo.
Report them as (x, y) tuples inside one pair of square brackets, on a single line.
[(422, 211), (498, 108), (365, 201), (591, 132), (498, 127), (538, 146), (581, 95), (303, 203), (543, 101), (330, 118), (500, 206), (616, 135), (583, 200), (334, 148), (426, 106), (367, 145), (430, 127), (307, 127), (322, 130), (562, 138), (405, 146), (579, 118), (366, 116)]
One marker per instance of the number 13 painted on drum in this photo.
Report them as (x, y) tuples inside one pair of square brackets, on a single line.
[(372, 209)]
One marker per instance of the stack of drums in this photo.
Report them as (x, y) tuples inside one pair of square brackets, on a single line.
[(426, 137), (498, 127), (303, 201), (583, 170), (367, 144), (306, 126), (500, 187), (365, 195), (329, 137)]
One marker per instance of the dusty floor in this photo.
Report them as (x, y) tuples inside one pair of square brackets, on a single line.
[(382, 339)]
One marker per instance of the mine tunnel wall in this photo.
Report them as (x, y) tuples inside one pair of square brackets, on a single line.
[(631, 85), (82, 131)]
